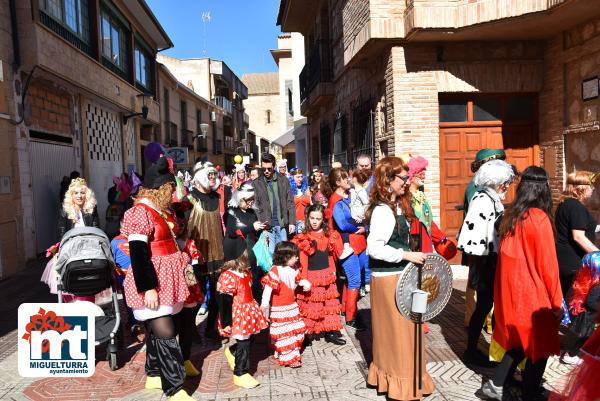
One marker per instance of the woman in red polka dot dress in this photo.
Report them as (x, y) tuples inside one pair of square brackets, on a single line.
[(240, 317), (155, 287)]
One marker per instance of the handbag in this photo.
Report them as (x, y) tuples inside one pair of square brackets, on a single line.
[(446, 248), (264, 259), (583, 325), (190, 277)]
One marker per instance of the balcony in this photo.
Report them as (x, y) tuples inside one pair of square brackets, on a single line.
[(224, 103), (229, 144), (170, 134), (316, 87), (486, 20)]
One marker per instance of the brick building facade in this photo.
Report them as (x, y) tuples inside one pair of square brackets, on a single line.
[(444, 79), (71, 72)]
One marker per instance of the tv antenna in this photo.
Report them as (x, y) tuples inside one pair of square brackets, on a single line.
[(206, 18)]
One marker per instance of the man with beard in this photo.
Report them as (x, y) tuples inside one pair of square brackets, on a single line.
[(206, 229)]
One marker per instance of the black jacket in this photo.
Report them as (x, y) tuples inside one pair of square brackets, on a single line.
[(65, 224), (286, 201)]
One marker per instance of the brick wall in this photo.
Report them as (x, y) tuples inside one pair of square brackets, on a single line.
[(49, 108)]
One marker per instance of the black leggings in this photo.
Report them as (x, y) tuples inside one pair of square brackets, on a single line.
[(482, 279), (532, 375), (163, 355), (185, 323), (241, 352), (485, 301)]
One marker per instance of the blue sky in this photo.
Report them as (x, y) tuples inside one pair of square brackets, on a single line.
[(240, 33)]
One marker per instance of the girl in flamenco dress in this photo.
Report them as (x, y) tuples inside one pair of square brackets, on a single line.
[(240, 317), (281, 284), (319, 247)]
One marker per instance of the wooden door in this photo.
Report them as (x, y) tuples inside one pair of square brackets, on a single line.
[(458, 147)]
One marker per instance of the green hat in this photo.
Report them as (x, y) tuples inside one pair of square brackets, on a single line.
[(485, 155)]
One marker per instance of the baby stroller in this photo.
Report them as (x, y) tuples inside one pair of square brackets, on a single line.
[(85, 267)]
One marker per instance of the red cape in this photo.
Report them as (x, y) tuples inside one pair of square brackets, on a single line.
[(527, 289)]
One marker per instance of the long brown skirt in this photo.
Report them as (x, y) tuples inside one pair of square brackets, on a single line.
[(394, 369)]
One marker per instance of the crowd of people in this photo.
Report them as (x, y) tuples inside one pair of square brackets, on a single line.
[(293, 252)]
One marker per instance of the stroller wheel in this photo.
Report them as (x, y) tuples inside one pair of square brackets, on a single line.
[(112, 361)]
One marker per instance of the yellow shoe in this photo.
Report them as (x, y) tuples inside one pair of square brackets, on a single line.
[(190, 369), (153, 383), (230, 358), (181, 395), (245, 381)]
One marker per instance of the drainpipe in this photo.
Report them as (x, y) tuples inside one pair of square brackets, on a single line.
[(15, 36)]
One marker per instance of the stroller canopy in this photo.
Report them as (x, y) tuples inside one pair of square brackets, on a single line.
[(82, 243)]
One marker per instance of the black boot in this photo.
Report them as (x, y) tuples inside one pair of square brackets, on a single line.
[(356, 324), (332, 338), (151, 367), (170, 365)]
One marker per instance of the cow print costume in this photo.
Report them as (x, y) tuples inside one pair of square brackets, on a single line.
[(478, 234)]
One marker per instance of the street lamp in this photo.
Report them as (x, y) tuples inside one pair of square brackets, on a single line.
[(203, 130), (144, 112)]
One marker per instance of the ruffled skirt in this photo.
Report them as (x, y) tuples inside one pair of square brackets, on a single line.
[(320, 307), (287, 333)]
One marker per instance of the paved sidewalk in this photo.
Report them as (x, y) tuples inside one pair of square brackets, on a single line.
[(329, 372)]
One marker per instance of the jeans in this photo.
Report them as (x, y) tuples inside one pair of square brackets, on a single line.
[(352, 267), (276, 235)]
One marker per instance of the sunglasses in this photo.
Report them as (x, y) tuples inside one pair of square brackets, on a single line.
[(268, 168), (249, 200), (402, 177)]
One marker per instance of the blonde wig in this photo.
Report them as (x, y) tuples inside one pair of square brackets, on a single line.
[(577, 182), (161, 198), (88, 206)]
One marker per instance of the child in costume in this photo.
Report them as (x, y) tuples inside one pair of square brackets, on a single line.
[(240, 317), (280, 286), (319, 306)]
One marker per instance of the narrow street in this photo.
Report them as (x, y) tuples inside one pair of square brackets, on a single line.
[(329, 372)]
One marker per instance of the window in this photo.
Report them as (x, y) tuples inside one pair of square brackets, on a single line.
[(114, 43), (166, 103), (453, 110), (198, 121), (183, 114), (520, 108), (486, 109), (143, 67), (268, 116), (69, 19)]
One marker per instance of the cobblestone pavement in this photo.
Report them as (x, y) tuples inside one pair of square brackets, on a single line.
[(329, 372)]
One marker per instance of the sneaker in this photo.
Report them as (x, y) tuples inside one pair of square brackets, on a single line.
[(362, 292), (571, 360), (245, 381), (202, 310), (491, 391), (347, 252), (367, 288)]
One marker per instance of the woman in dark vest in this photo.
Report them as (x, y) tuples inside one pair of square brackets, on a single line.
[(393, 367)]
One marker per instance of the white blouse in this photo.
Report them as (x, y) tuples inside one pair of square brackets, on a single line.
[(383, 224)]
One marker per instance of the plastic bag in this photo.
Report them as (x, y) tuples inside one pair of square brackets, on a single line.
[(264, 259)]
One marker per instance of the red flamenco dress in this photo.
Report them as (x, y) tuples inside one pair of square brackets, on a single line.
[(142, 221), (287, 326), (320, 306), (247, 317)]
